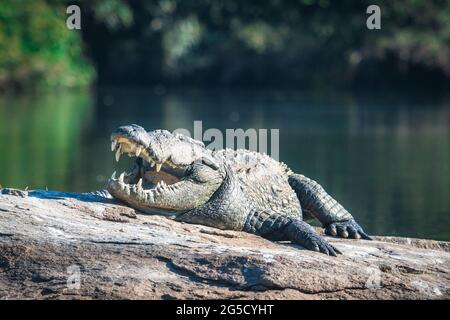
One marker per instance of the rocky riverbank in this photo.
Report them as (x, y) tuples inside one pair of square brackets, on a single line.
[(56, 245)]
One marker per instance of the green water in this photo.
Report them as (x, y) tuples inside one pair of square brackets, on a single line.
[(385, 156)]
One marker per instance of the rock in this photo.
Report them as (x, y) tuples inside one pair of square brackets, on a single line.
[(56, 245)]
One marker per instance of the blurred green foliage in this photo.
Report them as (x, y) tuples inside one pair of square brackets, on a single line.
[(418, 32), (307, 43), (224, 42), (36, 48)]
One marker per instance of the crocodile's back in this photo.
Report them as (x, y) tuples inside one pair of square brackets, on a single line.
[(264, 180)]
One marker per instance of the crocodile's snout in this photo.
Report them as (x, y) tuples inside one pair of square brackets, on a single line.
[(133, 133)]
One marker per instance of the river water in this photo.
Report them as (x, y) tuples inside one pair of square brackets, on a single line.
[(385, 156)]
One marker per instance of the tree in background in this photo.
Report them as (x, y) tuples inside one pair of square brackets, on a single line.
[(36, 48), (296, 43), (306, 43)]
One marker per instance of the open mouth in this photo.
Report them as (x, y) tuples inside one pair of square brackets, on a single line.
[(148, 175)]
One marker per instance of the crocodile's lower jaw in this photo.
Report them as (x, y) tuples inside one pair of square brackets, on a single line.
[(150, 200), (148, 187)]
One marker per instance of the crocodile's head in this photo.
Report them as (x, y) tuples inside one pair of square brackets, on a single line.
[(171, 174)]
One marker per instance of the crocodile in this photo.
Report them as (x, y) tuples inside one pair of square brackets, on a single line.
[(178, 177)]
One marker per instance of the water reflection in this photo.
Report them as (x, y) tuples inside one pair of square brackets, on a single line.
[(40, 138), (387, 157)]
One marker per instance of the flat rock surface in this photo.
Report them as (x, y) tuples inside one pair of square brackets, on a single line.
[(56, 245)]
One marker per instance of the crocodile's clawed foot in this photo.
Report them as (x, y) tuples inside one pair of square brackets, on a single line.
[(14, 192), (346, 229), (321, 245), (303, 234)]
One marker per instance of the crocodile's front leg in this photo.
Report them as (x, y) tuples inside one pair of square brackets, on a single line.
[(276, 226), (269, 225), (315, 201)]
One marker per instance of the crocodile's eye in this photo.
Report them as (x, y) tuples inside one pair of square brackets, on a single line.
[(210, 163)]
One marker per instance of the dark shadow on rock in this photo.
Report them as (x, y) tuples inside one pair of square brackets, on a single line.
[(96, 196), (290, 244)]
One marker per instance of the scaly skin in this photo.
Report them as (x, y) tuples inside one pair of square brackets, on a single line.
[(226, 189), (316, 202)]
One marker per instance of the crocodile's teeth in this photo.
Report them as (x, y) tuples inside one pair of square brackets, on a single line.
[(113, 176), (139, 184), (113, 145), (138, 152), (162, 183), (152, 164), (150, 196), (118, 154), (122, 175), (158, 167)]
